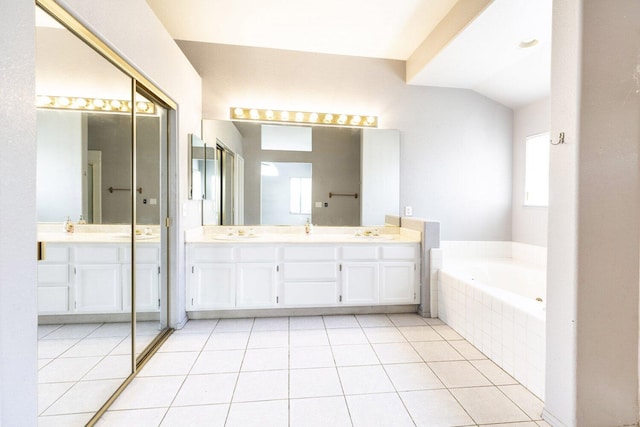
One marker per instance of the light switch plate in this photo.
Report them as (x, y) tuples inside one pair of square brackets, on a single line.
[(408, 211)]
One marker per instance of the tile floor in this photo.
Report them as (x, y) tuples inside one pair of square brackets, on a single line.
[(81, 365), (363, 370)]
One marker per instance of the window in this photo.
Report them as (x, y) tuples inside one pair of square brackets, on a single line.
[(536, 178), (300, 196)]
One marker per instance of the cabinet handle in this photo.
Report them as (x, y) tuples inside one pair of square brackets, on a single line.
[(192, 269), (340, 298), (340, 267), (277, 268), (277, 300)]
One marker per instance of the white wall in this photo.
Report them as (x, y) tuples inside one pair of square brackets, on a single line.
[(529, 222), (133, 30), (456, 145), (594, 216), (18, 314)]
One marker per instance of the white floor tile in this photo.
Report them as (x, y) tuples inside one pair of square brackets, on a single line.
[(122, 329), (522, 424), (307, 338), (526, 400), (458, 374), (204, 326), (177, 363), (234, 325), (84, 396), (412, 376), (271, 324), (435, 408), (341, 321), (447, 332), (184, 342), (71, 420), (262, 385), (314, 383), (345, 336), (220, 361), (262, 359), (433, 321), (355, 355), (306, 323), (406, 319), (493, 372), (227, 341), (110, 367), (319, 412), (206, 389), (151, 392), (93, 347), (196, 416), (467, 350), (436, 351), (364, 380), (67, 369), (419, 333), (49, 393), (44, 362), (310, 357), (44, 330), (73, 330), (396, 352), (274, 413), (49, 349), (378, 410), (384, 335), (268, 339), (373, 320), (132, 418), (487, 405)]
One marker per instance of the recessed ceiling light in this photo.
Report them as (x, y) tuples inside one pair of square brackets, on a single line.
[(527, 43)]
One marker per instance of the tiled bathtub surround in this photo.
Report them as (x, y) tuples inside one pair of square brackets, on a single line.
[(509, 329)]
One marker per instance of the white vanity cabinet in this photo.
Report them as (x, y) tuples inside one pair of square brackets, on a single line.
[(54, 288), (310, 276), (95, 278), (246, 275)]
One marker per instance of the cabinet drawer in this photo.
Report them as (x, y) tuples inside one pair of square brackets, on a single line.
[(97, 254), (144, 254), (210, 253), (310, 271), (53, 273), (310, 253), (53, 299), (399, 252), (310, 293), (256, 253), (359, 252), (56, 254)]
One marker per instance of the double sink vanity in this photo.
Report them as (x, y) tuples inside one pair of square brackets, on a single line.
[(267, 267), (230, 270)]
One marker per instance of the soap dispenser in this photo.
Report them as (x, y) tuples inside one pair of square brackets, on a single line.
[(308, 227), (68, 225)]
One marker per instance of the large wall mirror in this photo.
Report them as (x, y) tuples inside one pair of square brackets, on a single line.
[(101, 182), (354, 175)]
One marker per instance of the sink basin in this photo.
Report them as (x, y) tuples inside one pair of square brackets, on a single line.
[(235, 237)]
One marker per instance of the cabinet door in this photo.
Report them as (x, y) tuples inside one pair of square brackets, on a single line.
[(98, 288), (147, 288), (257, 285), (211, 286), (360, 283), (398, 283)]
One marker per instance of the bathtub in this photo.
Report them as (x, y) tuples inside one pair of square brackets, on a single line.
[(498, 304)]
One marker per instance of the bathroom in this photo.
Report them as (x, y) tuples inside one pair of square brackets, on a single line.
[(478, 132)]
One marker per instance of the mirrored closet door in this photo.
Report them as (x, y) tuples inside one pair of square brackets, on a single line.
[(102, 144)]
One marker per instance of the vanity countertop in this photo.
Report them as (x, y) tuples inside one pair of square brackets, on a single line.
[(98, 233), (296, 234)]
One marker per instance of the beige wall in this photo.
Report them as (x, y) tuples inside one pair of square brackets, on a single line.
[(456, 145)]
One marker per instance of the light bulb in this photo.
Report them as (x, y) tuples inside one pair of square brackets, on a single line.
[(284, 115), (43, 101), (98, 103), (238, 112), (269, 115), (299, 116), (371, 120), (355, 120), (254, 114), (328, 118), (80, 103), (115, 104), (63, 101), (142, 106), (313, 117), (342, 119)]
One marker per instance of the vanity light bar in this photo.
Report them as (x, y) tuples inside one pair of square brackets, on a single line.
[(94, 104), (302, 117)]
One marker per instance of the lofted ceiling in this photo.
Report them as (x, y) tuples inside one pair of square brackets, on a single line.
[(471, 44)]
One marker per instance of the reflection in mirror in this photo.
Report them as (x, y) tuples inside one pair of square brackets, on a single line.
[(286, 193), (85, 331)]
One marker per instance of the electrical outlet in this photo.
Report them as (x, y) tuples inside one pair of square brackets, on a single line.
[(408, 211), (318, 204)]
